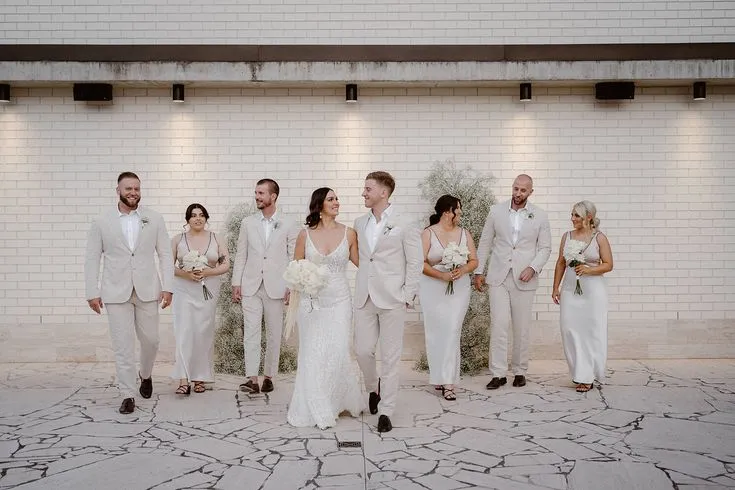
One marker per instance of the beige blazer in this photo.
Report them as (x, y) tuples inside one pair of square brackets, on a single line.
[(533, 247), (259, 262), (122, 268), (389, 274)]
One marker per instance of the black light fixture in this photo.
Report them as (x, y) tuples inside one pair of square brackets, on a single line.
[(699, 91), (4, 92), (525, 92), (178, 93), (351, 93)]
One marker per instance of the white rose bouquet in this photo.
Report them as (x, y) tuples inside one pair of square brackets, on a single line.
[(303, 277), (574, 255), (454, 257), (194, 261)]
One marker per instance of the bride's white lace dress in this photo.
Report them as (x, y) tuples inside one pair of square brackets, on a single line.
[(328, 379)]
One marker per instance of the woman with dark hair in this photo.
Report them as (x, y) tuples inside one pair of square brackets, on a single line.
[(199, 259), (328, 378), (444, 291)]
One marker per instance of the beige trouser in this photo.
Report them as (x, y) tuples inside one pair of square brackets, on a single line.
[(373, 324), (509, 306), (128, 320), (253, 309)]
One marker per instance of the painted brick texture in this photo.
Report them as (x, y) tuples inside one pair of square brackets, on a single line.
[(362, 22), (660, 169)]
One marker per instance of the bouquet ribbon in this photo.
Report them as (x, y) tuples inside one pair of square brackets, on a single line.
[(291, 314)]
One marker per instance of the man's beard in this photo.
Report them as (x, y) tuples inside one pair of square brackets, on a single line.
[(520, 203), (128, 202)]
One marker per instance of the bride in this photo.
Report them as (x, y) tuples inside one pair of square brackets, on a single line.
[(328, 377)]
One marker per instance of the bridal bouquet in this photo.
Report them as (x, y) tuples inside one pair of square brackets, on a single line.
[(454, 257), (194, 261), (303, 277), (574, 255)]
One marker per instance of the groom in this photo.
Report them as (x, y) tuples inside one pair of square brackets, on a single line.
[(127, 238), (391, 261), (264, 248)]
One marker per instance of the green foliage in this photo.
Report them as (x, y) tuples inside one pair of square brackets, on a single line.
[(228, 347), (475, 192)]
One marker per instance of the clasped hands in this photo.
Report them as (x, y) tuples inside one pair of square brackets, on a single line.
[(526, 275)]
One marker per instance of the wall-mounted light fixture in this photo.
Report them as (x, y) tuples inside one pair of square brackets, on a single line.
[(351, 93), (699, 91), (525, 92), (4, 92), (178, 92)]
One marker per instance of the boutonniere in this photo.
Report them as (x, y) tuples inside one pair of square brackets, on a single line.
[(143, 222), (530, 216), (276, 224), (388, 228)]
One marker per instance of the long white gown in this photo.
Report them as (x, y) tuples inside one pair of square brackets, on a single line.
[(328, 379), (443, 317), (194, 319), (583, 320)]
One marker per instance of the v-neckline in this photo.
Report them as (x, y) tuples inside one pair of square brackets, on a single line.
[(308, 235), (440, 242)]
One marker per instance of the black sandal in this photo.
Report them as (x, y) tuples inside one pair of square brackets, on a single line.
[(183, 390), (448, 394), (199, 387), (584, 387)]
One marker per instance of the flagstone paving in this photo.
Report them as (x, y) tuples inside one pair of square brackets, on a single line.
[(653, 425)]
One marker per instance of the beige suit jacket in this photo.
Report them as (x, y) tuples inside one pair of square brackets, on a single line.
[(390, 273), (259, 262), (532, 249), (122, 268)]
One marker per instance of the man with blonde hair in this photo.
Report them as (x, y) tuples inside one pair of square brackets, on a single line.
[(391, 262)]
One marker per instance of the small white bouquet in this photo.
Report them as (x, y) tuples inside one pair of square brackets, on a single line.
[(574, 256), (454, 257), (303, 277), (194, 261)]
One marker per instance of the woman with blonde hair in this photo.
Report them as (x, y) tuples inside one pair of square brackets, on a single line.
[(581, 291)]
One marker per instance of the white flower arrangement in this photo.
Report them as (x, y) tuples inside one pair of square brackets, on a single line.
[(194, 261), (303, 277), (574, 256), (454, 257)]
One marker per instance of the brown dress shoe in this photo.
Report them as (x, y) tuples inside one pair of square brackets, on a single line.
[(251, 387), (519, 380), (146, 387), (384, 424), (128, 405), (496, 383), (267, 385)]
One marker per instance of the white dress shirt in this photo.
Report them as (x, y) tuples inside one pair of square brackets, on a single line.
[(373, 229), (268, 224), (516, 221), (130, 224)]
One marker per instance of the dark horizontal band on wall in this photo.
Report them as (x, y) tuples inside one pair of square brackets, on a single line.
[(364, 53)]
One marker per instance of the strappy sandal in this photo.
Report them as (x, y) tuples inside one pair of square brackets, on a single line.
[(183, 390), (448, 394), (199, 387), (584, 388)]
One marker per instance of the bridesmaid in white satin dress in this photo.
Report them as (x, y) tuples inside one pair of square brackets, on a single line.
[(193, 311), (583, 317), (444, 313)]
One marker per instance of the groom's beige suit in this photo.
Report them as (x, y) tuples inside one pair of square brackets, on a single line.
[(391, 262), (130, 287), (514, 241), (260, 262)]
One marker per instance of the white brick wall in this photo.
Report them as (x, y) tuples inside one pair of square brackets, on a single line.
[(366, 22), (660, 168)]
